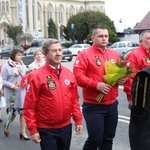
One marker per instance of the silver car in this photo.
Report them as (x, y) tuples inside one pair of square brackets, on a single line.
[(76, 48), (123, 46)]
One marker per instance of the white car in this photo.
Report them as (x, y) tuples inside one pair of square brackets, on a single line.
[(123, 46), (76, 48)]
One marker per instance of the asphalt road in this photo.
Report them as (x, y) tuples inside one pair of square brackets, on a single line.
[(121, 141)]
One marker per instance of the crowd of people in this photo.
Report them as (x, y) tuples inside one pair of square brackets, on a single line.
[(45, 94)]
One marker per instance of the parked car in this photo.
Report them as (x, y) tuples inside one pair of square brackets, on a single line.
[(5, 51), (67, 54), (37, 42), (123, 46), (124, 55), (76, 48), (28, 56)]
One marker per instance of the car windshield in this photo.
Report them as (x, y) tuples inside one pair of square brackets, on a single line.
[(86, 46)]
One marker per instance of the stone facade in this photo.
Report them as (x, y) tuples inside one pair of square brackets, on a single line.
[(34, 14)]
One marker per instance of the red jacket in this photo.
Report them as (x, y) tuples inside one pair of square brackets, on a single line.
[(139, 59), (51, 101), (89, 70)]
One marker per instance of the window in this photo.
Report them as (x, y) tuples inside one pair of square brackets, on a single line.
[(81, 9), (33, 13), (120, 45), (0, 6), (71, 11), (27, 15), (3, 6), (39, 12), (49, 12), (61, 14), (7, 6)]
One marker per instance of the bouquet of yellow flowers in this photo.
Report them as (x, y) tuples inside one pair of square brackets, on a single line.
[(114, 72)]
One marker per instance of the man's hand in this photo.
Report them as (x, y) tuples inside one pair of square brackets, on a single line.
[(121, 81), (130, 104), (36, 138), (78, 129), (103, 87)]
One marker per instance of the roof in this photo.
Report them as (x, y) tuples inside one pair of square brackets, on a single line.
[(144, 24)]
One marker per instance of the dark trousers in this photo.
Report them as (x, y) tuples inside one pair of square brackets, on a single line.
[(55, 139), (101, 122)]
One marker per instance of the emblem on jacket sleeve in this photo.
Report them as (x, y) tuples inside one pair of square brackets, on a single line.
[(98, 61), (67, 82), (147, 59), (51, 83)]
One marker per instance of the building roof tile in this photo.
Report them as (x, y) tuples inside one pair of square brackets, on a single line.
[(144, 24)]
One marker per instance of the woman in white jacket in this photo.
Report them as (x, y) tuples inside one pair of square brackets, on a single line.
[(38, 60)]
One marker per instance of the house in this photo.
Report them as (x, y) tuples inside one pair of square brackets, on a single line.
[(144, 24)]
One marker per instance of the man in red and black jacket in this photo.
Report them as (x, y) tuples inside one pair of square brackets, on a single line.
[(51, 100), (101, 117)]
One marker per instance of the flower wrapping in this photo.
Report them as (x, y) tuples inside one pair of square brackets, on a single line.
[(114, 72)]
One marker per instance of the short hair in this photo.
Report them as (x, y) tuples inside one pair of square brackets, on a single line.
[(94, 31), (14, 52), (47, 43), (143, 33), (37, 50)]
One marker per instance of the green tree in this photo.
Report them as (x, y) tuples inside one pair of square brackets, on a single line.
[(52, 29), (85, 22), (65, 32), (13, 31)]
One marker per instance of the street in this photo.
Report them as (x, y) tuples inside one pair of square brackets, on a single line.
[(121, 141)]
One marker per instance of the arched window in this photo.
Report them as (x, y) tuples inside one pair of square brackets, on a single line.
[(81, 9), (61, 14), (0, 6), (39, 9), (94, 8), (33, 13), (3, 6), (39, 12), (71, 11), (27, 15), (49, 11), (7, 6)]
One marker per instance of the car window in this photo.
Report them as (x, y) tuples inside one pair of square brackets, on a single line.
[(133, 44), (86, 46), (27, 52), (76, 46), (120, 45), (123, 45), (114, 45), (32, 51)]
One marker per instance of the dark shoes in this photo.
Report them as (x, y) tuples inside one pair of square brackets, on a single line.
[(6, 131), (23, 138)]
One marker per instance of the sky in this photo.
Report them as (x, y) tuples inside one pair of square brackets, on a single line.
[(130, 12)]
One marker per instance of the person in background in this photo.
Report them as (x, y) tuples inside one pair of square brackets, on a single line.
[(51, 100), (101, 117), (12, 73), (139, 58), (38, 60)]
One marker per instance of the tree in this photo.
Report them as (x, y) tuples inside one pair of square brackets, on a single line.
[(13, 31), (52, 30), (25, 40), (65, 32), (85, 22)]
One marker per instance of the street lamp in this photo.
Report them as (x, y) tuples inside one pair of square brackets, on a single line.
[(121, 20)]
